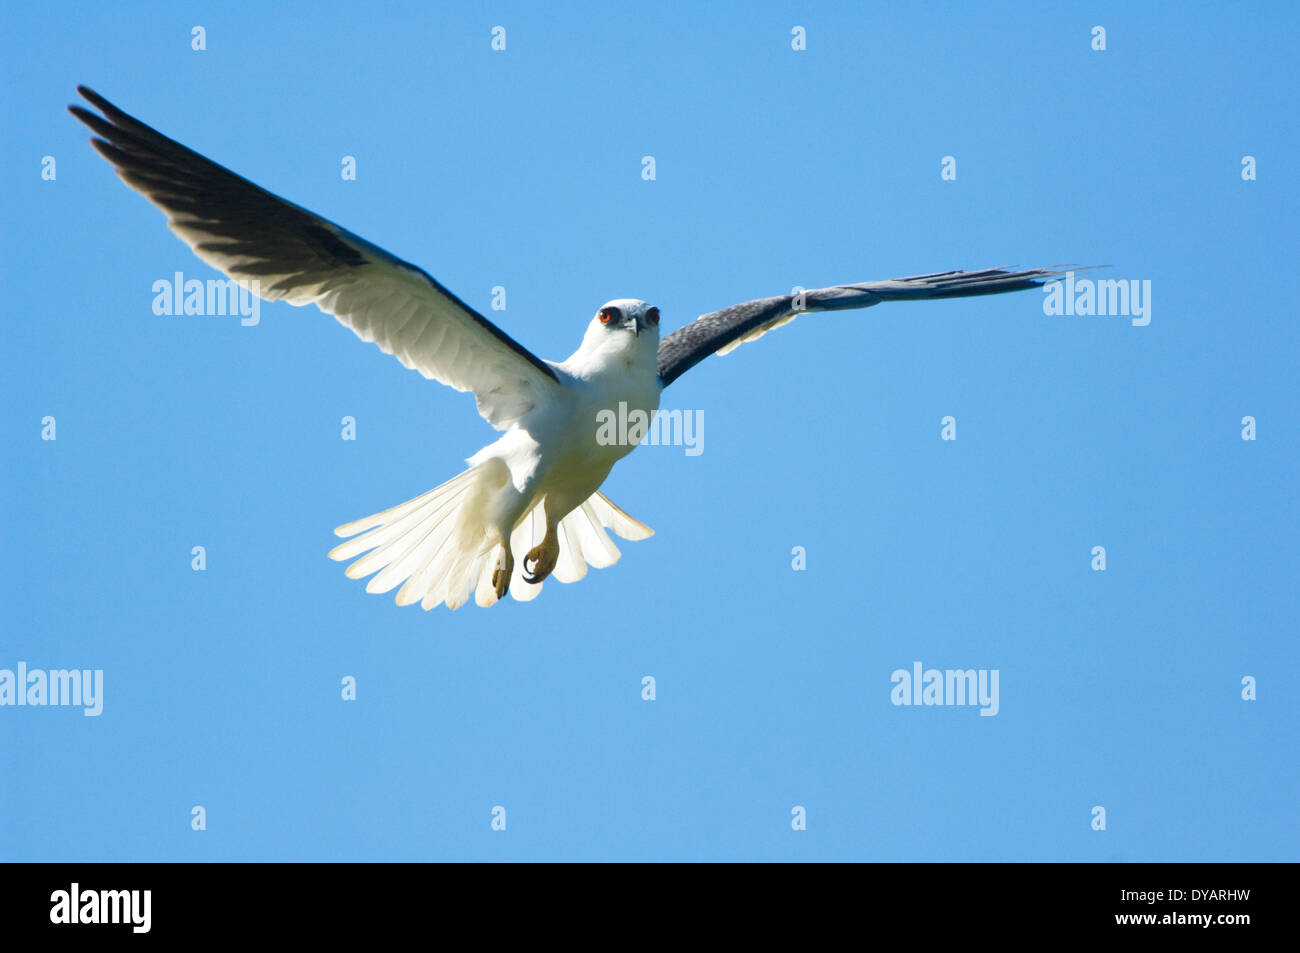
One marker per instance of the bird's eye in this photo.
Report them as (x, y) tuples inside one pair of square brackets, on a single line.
[(607, 315), (652, 316)]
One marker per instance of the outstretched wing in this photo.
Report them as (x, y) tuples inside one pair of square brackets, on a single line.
[(286, 253), (724, 330)]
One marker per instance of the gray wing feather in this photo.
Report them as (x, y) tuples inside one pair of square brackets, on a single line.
[(299, 257), (721, 331)]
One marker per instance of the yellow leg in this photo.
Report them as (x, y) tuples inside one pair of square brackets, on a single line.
[(505, 569), (541, 559)]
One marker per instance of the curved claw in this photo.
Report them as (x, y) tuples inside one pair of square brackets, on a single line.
[(530, 574), (540, 561), (500, 583), (501, 575)]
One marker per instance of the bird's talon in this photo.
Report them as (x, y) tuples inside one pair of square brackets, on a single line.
[(541, 560), (501, 575)]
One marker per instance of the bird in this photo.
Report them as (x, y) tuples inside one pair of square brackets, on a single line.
[(528, 505)]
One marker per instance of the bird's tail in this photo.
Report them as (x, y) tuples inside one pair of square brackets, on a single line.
[(440, 547)]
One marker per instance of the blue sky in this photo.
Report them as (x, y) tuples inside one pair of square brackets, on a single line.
[(774, 168)]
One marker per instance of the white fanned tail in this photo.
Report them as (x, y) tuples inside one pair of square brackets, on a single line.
[(437, 547)]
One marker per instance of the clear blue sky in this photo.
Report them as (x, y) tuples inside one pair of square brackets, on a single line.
[(774, 168)]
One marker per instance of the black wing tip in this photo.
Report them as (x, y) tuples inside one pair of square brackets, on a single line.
[(106, 149), (1036, 275), (101, 127), (91, 96), (112, 115), (1055, 272), (96, 100)]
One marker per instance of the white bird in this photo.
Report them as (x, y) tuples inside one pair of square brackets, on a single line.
[(528, 504)]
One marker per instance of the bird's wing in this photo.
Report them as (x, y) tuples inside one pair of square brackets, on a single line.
[(724, 330), (296, 256)]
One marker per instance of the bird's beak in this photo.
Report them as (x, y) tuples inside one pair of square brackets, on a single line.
[(631, 325)]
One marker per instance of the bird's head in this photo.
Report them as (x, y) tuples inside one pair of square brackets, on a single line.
[(624, 325), (626, 316)]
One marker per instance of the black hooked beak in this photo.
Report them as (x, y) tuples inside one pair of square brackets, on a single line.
[(630, 323)]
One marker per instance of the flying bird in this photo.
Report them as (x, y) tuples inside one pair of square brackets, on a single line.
[(529, 504)]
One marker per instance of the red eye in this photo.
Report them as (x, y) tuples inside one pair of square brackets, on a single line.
[(607, 315), (652, 316)]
